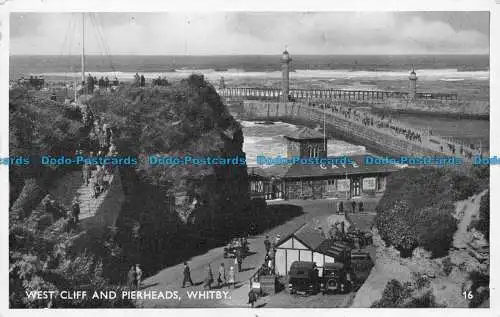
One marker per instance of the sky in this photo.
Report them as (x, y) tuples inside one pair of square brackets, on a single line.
[(251, 33)]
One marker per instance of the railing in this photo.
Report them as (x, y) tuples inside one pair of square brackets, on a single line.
[(408, 139), (327, 94)]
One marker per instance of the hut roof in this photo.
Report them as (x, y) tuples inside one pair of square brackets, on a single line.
[(357, 167), (305, 134)]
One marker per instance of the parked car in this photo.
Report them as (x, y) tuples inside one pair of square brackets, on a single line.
[(303, 278), (361, 266), (334, 279)]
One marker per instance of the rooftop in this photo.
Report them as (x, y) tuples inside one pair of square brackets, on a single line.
[(307, 235), (357, 167), (305, 134)]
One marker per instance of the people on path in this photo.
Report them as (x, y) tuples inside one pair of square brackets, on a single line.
[(353, 205), (252, 297), (221, 279), (139, 275), (132, 277), (361, 207), (210, 278), (267, 244), (239, 258), (270, 261), (75, 210), (187, 276), (230, 278), (340, 207)]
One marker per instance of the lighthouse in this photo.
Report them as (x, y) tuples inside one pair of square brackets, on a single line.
[(413, 84), (285, 65)]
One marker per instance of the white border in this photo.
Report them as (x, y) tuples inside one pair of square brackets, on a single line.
[(7, 6)]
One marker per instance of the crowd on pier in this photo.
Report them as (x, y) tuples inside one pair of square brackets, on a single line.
[(388, 124)]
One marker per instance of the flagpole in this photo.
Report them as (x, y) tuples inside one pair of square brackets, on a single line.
[(83, 47), (324, 128)]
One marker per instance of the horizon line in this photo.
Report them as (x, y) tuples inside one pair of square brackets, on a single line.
[(277, 55)]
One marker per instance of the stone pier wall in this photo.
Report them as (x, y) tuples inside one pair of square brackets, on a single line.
[(345, 129)]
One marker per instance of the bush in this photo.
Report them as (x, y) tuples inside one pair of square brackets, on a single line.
[(417, 206), (483, 224), (447, 266), (435, 229), (421, 280), (394, 295), (397, 295), (479, 280), (427, 300)]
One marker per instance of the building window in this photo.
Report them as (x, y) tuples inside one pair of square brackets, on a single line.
[(331, 185), (381, 183)]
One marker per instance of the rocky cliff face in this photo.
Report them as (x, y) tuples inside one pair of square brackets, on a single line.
[(168, 203)]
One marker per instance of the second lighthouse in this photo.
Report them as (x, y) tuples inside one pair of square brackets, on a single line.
[(285, 64)]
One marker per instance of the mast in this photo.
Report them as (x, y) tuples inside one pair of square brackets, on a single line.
[(324, 127), (83, 47)]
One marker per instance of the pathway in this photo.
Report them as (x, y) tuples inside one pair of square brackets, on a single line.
[(171, 278)]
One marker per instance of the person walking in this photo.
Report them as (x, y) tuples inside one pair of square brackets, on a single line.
[(239, 258), (230, 279), (138, 275), (187, 276), (270, 262), (341, 207), (267, 244), (132, 277), (210, 278), (361, 207), (236, 261), (85, 173), (353, 205), (252, 297), (75, 210), (221, 279)]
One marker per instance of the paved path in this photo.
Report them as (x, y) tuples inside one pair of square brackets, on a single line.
[(171, 278), (95, 213)]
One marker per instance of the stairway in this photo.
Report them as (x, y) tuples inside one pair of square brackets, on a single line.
[(72, 185)]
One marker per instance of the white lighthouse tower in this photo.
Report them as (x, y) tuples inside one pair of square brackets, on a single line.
[(413, 84), (285, 65)]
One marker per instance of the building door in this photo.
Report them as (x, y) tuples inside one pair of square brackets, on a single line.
[(356, 187)]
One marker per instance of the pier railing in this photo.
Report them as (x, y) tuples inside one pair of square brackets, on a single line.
[(400, 137)]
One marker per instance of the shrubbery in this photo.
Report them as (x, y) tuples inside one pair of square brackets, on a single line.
[(483, 223), (397, 295), (40, 260), (416, 209)]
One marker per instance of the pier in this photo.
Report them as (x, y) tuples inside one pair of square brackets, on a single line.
[(325, 94), (331, 108)]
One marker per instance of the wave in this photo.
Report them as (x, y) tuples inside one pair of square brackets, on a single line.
[(451, 79), (330, 75)]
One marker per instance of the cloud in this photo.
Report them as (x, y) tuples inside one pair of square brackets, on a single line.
[(251, 33)]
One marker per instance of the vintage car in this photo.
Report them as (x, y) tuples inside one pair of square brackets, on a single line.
[(303, 278), (235, 245), (334, 279)]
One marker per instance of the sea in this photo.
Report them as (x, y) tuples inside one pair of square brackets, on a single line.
[(466, 75)]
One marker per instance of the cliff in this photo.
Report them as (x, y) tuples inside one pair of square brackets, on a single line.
[(44, 248), (176, 208)]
